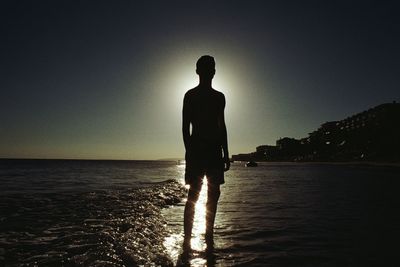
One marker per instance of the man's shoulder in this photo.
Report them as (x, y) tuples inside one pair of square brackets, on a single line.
[(218, 93), (191, 92), (199, 92)]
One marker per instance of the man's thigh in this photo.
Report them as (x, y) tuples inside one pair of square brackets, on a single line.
[(195, 187)]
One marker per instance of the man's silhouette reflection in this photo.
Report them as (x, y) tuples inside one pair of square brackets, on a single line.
[(206, 146)]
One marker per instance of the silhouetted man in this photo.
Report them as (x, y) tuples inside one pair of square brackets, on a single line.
[(206, 146)]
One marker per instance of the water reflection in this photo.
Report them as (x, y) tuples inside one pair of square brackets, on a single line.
[(199, 255), (199, 224)]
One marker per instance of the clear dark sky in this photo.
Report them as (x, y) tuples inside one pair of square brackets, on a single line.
[(105, 79)]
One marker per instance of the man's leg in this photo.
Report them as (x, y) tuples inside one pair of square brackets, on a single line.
[(213, 194), (193, 196)]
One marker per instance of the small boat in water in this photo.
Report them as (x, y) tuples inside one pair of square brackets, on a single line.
[(251, 164)]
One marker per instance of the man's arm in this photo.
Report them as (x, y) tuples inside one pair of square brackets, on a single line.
[(224, 136), (186, 123)]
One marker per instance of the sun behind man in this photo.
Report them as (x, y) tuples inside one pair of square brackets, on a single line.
[(206, 147)]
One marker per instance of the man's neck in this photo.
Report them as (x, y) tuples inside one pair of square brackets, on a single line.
[(205, 83)]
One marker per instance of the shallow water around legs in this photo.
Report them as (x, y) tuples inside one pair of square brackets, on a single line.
[(299, 215)]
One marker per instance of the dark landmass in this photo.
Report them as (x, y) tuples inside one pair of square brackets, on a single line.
[(170, 159), (369, 136)]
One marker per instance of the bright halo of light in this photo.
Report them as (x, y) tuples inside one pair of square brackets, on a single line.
[(185, 82)]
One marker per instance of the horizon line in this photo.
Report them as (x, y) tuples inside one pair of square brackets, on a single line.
[(88, 159)]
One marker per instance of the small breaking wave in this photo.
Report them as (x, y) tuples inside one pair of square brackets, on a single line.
[(99, 228)]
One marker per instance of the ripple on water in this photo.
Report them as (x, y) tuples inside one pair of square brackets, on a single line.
[(112, 227)]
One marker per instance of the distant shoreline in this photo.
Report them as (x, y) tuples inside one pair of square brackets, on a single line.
[(367, 163), (72, 159)]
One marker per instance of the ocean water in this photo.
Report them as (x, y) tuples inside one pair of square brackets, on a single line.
[(130, 213)]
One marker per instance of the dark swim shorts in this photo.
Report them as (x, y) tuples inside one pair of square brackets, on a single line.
[(204, 158)]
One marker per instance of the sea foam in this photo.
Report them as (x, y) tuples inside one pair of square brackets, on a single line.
[(98, 228)]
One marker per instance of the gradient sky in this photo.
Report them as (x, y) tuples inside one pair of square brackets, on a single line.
[(105, 79)]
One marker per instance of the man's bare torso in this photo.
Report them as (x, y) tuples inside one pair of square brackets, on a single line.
[(205, 106)]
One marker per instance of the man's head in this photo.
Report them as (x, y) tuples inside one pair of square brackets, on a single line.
[(205, 67)]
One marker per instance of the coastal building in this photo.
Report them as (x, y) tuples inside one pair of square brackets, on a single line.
[(373, 134)]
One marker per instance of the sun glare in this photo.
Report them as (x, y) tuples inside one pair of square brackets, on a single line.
[(173, 242), (199, 224)]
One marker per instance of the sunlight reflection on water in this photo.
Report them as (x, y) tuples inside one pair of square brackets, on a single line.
[(173, 243), (199, 225), (290, 215)]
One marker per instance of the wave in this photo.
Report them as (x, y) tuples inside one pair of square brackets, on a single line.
[(107, 227)]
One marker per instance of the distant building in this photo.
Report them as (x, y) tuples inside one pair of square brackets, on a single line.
[(266, 152), (373, 134), (243, 157)]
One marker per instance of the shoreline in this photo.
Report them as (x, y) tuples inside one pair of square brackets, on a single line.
[(360, 163), (366, 163)]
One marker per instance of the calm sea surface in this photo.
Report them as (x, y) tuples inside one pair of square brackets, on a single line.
[(130, 213)]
